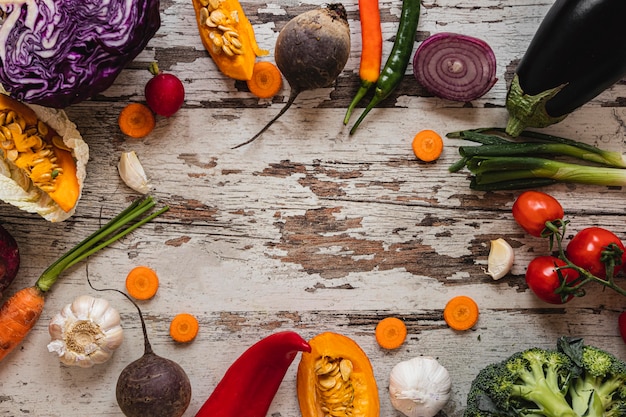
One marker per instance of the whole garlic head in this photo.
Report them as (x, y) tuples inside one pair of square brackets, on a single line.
[(85, 332), (419, 387)]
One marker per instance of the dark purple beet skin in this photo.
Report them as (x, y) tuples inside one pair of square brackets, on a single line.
[(9, 259)]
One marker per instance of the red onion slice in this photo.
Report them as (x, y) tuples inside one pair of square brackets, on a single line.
[(455, 67)]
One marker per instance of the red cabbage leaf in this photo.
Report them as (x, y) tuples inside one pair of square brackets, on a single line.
[(60, 52)]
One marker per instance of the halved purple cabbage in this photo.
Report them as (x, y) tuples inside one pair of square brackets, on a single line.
[(60, 52)]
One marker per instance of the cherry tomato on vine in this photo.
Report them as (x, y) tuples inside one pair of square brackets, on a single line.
[(622, 325), (543, 279), (586, 247), (533, 209)]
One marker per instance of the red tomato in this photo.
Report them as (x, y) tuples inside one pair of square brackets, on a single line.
[(622, 325), (543, 279), (533, 209), (585, 249)]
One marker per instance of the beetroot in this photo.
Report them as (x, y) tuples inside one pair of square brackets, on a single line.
[(311, 51), (9, 259)]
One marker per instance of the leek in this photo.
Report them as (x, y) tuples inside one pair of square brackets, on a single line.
[(500, 163)]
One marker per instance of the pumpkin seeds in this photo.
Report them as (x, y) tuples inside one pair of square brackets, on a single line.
[(223, 34), (26, 148), (334, 386)]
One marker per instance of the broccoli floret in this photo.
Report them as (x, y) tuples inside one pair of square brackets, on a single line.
[(529, 383), (575, 380), (600, 389)]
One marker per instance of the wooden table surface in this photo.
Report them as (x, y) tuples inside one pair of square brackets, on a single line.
[(308, 228)]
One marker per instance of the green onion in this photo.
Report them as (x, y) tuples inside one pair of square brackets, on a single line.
[(118, 227), (494, 169), (500, 163)]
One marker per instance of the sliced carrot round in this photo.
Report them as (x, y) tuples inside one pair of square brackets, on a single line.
[(390, 333), (184, 328), (461, 313), (136, 120), (266, 80), (427, 145), (142, 283)]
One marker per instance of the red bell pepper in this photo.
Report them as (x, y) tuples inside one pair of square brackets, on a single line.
[(250, 384)]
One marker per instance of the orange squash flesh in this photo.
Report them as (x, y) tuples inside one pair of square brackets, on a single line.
[(67, 187), (238, 66), (336, 346)]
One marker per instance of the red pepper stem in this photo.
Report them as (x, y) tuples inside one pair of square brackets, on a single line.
[(250, 384)]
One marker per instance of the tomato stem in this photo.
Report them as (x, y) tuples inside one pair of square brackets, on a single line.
[(611, 257)]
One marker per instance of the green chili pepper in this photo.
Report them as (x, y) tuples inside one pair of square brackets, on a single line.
[(399, 58)]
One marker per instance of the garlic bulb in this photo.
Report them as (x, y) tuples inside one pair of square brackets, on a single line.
[(419, 387), (86, 332), (132, 173)]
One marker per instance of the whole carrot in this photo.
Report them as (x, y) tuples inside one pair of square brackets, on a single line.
[(19, 314), (371, 51)]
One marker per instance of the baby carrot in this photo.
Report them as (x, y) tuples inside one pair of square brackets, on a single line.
[(142, 283), (427, 145), (390, 333), (371, 51), (136, 120), (184, 328), (461, 313), (266, 80)]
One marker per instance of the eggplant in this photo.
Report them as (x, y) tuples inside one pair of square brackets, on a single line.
[(578, 51)]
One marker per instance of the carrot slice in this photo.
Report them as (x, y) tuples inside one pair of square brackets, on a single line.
[(427, 145), (266, 80), (390, 333), (461, 313), (136, 120), (184, 328), (142, 283)]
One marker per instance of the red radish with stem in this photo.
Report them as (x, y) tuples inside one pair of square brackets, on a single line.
[(455, 67), (164, 92)]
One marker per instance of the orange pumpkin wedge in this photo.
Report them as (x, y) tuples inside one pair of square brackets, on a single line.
[(38, 150), (228, 36), (335, 374)]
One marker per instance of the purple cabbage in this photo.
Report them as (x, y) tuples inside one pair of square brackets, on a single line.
[(60, 52)]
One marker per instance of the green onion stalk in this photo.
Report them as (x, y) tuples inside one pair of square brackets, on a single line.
[(134, 216), (530, 161)]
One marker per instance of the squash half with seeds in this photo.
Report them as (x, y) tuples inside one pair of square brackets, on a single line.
[(228, 36), (44, 159), (336, 379)]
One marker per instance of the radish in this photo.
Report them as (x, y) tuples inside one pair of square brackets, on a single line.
[(164, 92)]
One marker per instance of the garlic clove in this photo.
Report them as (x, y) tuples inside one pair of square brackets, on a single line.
[(500, 260), (85, 332), (132, 172)]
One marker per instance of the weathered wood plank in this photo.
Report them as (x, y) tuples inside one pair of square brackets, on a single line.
[(308, 228)]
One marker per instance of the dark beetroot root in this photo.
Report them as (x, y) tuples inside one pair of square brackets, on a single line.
[(311, 51), (153, 386), (9, 259)]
